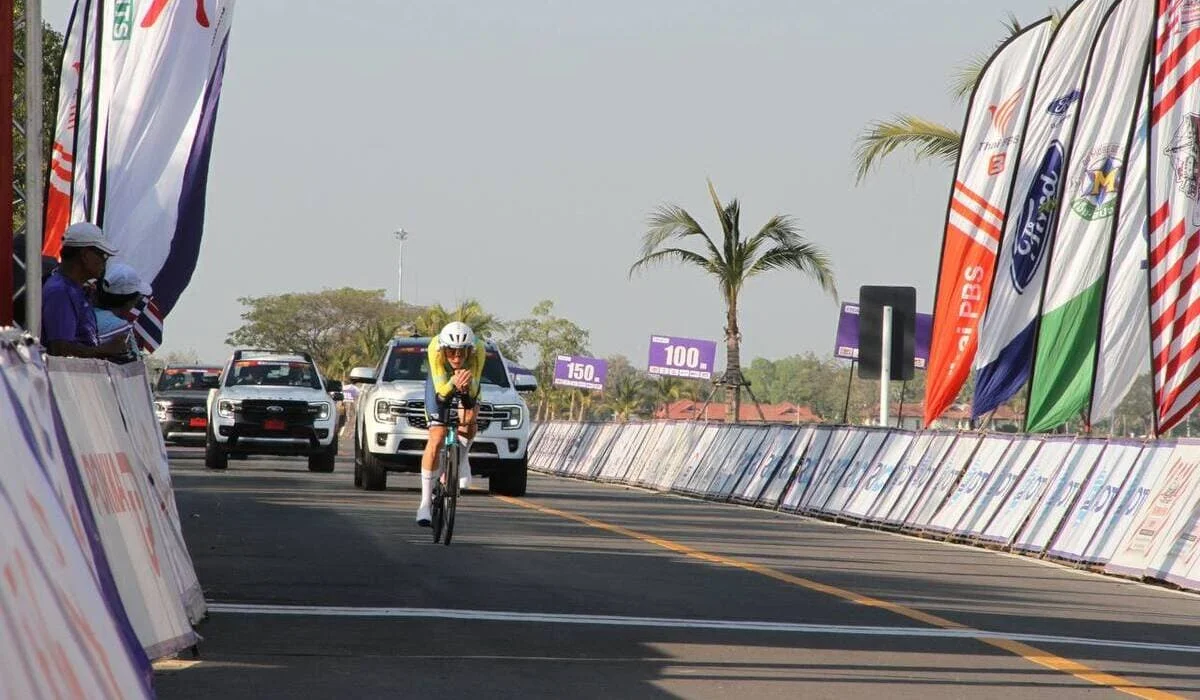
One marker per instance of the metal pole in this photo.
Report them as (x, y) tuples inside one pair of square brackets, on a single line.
[(401, 235), (885, 366), (34, 176), (849, 383), (7, 283)]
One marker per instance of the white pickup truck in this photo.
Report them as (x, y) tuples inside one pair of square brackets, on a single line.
[(272, 403), (390, 426)]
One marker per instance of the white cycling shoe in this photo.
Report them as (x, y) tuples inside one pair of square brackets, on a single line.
[(424, 519)]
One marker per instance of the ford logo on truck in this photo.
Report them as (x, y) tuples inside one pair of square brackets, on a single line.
[(1037, 214)]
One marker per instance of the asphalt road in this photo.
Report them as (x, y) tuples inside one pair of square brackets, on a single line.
[(319, 590)]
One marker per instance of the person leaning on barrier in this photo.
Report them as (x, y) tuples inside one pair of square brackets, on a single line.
[(120, 291), (68, 321)]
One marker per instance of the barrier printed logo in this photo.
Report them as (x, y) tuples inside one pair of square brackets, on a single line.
[(1184, 152)]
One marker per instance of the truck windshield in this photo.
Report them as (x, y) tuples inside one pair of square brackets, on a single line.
[(189, 379), (410, 363), (273, 373)]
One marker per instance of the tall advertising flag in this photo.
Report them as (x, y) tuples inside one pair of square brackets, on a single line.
[(975, 217), (1069, 328), (61, 173), (1174, 183), (150, 102), (1124, 337), (1006, 335)]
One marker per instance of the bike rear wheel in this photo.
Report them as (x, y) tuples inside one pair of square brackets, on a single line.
[(450, 495)]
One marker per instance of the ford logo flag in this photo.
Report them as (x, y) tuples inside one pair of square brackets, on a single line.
[(1037, 213)]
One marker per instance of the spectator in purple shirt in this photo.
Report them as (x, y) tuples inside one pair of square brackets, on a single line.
[(68, 320)]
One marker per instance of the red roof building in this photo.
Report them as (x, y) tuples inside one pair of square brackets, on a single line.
[(686, 409)]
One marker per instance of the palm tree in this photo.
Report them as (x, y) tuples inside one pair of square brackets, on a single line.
[(469, 312), (670, 389), (928, 139), (626, 396), (777, 245)]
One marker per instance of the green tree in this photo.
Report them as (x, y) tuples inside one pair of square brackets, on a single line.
[(470, 312), (319, 323), (778, 245), (548, 336), (927, 139), (667, 390), (627, 396), (52, 52)]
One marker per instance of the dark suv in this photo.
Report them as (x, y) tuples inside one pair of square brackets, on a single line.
[(180, 402)]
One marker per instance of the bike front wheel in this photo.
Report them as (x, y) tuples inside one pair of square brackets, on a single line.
[(450, 495)]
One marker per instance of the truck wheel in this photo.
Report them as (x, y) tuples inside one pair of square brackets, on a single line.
[(324, 461), (373, 472), (511, 481), (215, 456)]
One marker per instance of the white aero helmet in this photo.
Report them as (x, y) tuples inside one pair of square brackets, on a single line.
[(456, 334)]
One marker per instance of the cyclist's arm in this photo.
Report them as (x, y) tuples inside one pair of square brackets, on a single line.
[(442, 380), (478, 358)]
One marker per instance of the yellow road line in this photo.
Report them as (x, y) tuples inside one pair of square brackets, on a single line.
[(173, 664), (1025, 651)]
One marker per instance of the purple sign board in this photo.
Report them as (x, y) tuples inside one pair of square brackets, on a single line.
[(682, 357), (580, 372), (846, 346)]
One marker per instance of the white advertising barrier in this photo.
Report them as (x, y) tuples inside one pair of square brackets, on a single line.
[(722, 487), (973, 483), (922, 471), (722, 459), (577, 460), (902, 473), (662, 437), (1135, 492), (1178, 548), (132, 386), (60, 639), (620, 453), (537, 444), (760, 474), (833, 464), (1050, 513), (689, 436), (1028, 492), (594, 460), (1004, 478), (879, 475), (1098, 497), (568, 443), (727, 435), (947, 475), (1153, 531), (650, 433), (789, 466), (848, 485), (708, 437), (133, 529), (816, 460)]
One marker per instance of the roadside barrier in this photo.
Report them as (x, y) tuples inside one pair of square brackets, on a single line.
[(95, 580), (1123, 507)]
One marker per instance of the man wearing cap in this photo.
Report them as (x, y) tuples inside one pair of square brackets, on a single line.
[(120, 291), (68, 321)]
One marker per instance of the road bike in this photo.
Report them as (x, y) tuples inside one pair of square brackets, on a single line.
[(445, 487)]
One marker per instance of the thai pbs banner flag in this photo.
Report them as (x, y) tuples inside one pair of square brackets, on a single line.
[(1068, 331), (154, 98), (978, 199), (1174, 189), (1006, 336)]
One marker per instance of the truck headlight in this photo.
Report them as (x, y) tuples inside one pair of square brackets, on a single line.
[(383, 412), (319, 409), (227, 408), (161, 409), (513, 417)]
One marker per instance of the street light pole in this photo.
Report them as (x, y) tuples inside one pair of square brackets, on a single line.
[(401, 235)]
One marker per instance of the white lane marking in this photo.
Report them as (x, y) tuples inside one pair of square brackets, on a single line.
[(737, 625)]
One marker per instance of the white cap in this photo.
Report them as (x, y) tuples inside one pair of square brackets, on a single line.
[(122, 279), (85, 234)]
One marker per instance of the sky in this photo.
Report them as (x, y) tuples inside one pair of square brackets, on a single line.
[(523, 144)]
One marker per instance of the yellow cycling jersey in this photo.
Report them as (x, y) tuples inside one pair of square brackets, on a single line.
[(440, 371)]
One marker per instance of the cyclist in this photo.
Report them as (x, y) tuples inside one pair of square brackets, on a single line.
[(456, 360)]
